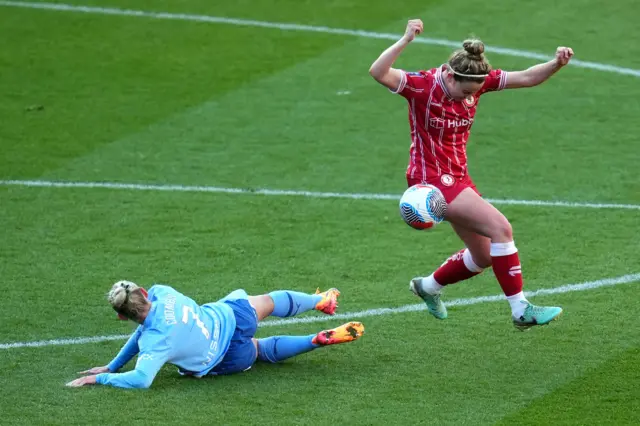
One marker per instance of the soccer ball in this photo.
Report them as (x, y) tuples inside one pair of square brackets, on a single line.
[(422, 206)]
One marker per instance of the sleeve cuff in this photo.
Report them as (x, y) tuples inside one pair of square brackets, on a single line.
[(102, 378), (403, 83), (503, 80)]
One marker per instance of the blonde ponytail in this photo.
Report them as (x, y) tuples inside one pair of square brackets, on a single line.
[(128, 300)]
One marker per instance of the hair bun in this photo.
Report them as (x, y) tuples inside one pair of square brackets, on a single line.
[(120, 292), (473, 47), (117, 296)]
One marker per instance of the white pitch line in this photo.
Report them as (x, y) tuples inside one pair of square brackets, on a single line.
[(290, 193), (299, 27), (58, 342), (569, 288)]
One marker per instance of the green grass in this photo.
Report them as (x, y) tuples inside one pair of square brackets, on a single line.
[(596, 395), (140, 100)]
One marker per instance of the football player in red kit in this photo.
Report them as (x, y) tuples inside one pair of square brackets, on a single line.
[(442, 105)]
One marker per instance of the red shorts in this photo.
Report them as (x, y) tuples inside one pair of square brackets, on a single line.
[(448, 185)]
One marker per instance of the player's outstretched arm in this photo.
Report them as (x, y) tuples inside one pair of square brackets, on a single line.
[(96, 370), (128, 351), (147, 367), (538, 74), (381, 69), (149, 363)]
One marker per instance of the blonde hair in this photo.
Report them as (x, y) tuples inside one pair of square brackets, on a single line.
[(128, 300), (469, 63)]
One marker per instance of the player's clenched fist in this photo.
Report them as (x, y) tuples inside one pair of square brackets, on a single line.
[(414, 27), (564, 55)]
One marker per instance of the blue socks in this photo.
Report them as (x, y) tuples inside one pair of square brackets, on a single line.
[(289, 303), (278, 348), (286, 304)]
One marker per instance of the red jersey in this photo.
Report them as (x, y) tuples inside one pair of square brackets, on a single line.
[(440, 125)]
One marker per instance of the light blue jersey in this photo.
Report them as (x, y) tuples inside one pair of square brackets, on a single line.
[(177, 331)]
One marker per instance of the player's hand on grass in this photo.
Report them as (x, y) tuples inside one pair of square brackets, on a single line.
[(82, 381), (564, 55), (414, 27), (96, 370)]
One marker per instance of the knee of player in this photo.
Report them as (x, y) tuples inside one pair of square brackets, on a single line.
[(266, 350), (264, 300), (263, 305), (502, 230)]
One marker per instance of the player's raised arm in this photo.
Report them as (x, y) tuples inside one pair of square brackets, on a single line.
[(538, 74), (381, 70)]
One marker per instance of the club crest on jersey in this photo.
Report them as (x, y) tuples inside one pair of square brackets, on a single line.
[(447, 180), (436, 123), (470, 100)]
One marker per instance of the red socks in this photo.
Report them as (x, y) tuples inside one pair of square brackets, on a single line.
[(457, 268), (506, 267)]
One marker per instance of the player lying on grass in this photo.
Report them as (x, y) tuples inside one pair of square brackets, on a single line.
[(212, 339), (442, 106)]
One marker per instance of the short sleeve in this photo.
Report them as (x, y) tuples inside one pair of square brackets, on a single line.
[(414, 84), (496, 80)]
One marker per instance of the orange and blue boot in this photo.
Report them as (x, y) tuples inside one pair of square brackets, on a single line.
[(345, 333), (329, 302)]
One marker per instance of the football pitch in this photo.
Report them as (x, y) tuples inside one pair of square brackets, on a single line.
[(214, 145)]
